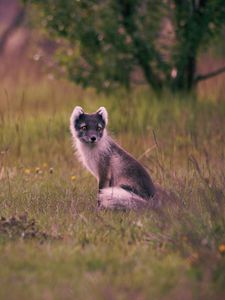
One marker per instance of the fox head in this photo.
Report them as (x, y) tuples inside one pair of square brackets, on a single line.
[(88, 128)]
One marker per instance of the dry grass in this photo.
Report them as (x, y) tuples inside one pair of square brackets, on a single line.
[(172, 253)]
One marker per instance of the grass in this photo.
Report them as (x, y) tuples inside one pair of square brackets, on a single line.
[(173, 253)]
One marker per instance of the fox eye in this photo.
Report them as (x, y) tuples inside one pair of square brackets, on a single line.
[(99, 127), (83, 128)]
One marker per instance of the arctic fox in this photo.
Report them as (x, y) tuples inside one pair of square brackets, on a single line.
[(123, 181)]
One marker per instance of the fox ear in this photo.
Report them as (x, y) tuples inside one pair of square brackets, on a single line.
[(78, 110), (103, 113)]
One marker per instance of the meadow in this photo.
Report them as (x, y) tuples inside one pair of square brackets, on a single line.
[(54, 244)]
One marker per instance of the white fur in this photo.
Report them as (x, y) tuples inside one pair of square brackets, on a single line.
[(78, 110), (103, 112), (118, 198), (90, 155)]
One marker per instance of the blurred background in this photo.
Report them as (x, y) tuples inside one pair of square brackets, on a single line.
[(169, 45)]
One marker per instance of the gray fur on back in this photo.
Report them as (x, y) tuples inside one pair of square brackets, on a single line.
[(123, 182)]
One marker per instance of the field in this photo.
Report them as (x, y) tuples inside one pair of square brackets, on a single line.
[(53, 242)]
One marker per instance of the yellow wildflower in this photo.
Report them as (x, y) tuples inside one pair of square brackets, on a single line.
[(221, 248), (27, 171), (73, 177)]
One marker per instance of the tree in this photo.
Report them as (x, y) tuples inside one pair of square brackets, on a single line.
[(11, 28), (106, 41)]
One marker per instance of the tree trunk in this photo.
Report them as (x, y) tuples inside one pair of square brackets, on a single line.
[(16, 22), (185, 77)]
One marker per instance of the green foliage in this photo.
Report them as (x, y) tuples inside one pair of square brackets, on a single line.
[(106, 42)]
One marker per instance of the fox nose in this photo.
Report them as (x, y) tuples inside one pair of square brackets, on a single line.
[(93, 139)]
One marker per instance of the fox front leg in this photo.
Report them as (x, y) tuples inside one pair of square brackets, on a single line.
[(104, 182), (105, 176), (105, 179)]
